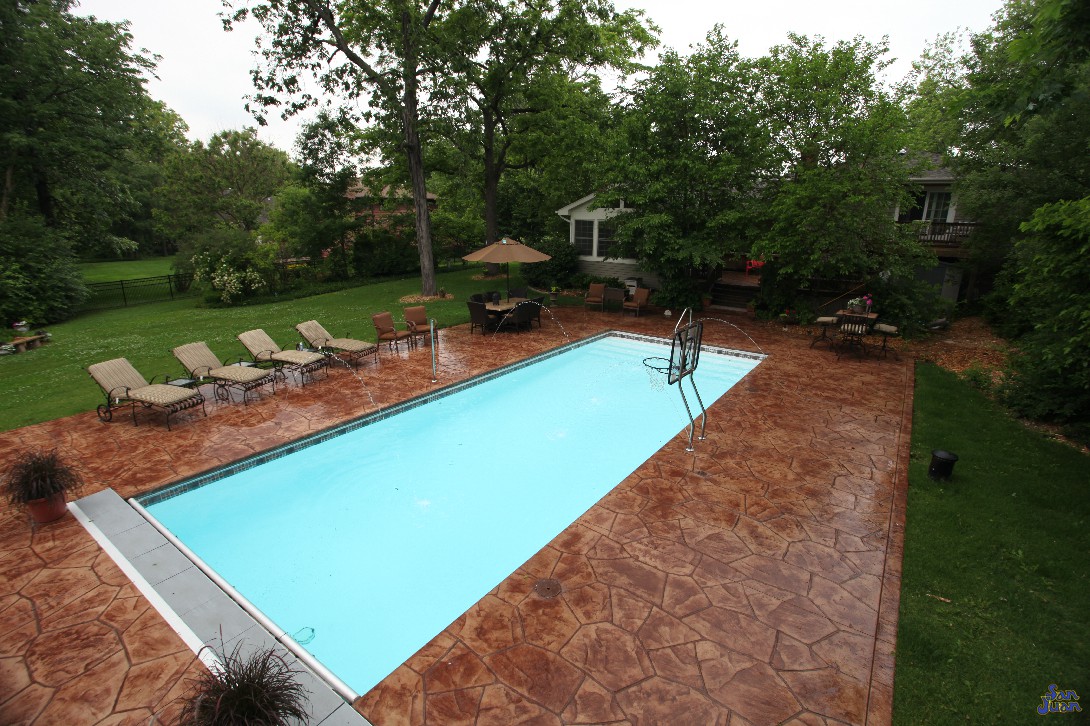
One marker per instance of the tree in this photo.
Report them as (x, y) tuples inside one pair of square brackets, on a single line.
[(71, 95), (316, 214), (228, 183), (515, 66), (1024, 173), (836, 134), (689, 159), (351, 51)]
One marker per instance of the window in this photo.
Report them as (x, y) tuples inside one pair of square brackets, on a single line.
[(584, 237), (937, 207), (606, 232)]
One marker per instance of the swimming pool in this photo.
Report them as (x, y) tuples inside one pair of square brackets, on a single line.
[(365, 542)]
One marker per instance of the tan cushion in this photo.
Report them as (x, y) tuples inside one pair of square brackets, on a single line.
[(238, 374), (297, 357), (350, 344), (887, 329), (161, 394), (826, 320)]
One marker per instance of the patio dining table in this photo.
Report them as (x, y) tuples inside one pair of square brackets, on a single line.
[(504, 306)]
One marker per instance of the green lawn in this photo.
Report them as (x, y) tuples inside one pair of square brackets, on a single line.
[(51, 381), (995, 595), (126, 269)]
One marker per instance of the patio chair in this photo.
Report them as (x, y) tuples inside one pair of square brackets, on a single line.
[(595, 295), (477, 297), (535, 306), (124, 386), (852, 333), (826, 322), (613, 295), (479, 318), (200, 362), (266, 352), (416, 318), (888, 331), (518, 317), (517, 292), (638, 301), (319, 338), (386, 331)]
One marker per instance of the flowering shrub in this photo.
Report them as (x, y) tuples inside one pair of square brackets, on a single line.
[(231, 280)]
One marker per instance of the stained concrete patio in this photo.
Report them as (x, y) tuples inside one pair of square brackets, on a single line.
[(755, 581)]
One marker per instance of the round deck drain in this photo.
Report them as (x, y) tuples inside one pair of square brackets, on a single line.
[(547, 589)]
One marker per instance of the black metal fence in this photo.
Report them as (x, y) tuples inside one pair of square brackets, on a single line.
[(122, 293)]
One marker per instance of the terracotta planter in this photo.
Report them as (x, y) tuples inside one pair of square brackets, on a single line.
[(48, 509)]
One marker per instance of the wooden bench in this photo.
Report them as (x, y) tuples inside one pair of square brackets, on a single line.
[(28, 342)]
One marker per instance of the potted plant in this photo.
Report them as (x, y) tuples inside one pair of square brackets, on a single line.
[(554, 294), (861, 304), (40, 481), (257, 689)]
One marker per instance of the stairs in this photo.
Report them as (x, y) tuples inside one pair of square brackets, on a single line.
[(733, 297)]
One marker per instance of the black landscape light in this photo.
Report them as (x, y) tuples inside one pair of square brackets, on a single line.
[(942, 464)]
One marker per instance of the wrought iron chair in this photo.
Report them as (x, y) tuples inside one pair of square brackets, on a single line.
[(124, 386), (318, 337), (200, 362), (852, 332)]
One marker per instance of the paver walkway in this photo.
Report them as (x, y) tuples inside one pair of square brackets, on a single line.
[(755, 581)]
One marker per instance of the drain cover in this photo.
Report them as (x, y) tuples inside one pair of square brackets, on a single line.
[(547, 589)]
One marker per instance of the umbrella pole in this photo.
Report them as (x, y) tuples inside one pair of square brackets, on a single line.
[(508, 280)]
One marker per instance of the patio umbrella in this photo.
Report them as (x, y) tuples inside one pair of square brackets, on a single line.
[(507, 250)]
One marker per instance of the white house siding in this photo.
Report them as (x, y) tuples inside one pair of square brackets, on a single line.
[(597, 264)]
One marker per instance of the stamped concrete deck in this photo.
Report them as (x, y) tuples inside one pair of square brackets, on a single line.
[(753, 582)]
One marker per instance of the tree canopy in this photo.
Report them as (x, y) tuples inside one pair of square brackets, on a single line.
[(72, 110)]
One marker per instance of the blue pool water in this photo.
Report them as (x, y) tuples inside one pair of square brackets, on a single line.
[(374, 541)]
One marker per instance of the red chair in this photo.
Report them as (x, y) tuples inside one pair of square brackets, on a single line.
[(754, 265)]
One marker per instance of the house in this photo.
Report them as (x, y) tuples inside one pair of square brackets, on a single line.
[(378, 206), (941, 228), (591, 231)]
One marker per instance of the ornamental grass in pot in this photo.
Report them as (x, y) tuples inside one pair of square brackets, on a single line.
[(259, 688), (40, 481)]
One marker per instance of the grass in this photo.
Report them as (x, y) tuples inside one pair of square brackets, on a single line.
[(996, 585), (126, 269), (51, 381)]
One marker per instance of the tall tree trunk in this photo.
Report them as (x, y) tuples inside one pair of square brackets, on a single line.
[(491, 178), (415, 157)]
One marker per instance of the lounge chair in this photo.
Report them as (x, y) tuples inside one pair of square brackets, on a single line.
[(384, 328), (318, 337), (266, 352), (124, 386), (479, 318), (595, 295), (638, 301), (416, 318), (200, 362)]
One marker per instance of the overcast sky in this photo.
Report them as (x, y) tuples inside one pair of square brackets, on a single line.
[(204, 73)]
